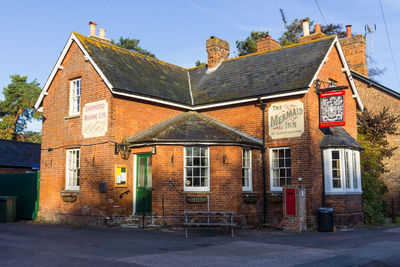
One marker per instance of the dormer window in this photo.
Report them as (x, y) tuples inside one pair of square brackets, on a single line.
[(75, 97)]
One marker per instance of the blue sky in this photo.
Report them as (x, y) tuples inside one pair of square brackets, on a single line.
[(33, 33)]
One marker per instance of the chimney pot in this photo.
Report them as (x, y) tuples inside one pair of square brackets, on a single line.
[(348, 30), (102, 33), (92, 28), (317, 28), (306, 27)]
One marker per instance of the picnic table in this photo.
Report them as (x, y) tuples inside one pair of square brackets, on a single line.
[(208, 218)]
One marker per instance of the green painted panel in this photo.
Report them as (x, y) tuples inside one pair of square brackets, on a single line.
[(26, 187), (143, 184)]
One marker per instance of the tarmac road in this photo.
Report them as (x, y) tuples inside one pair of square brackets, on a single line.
[(27, 244)]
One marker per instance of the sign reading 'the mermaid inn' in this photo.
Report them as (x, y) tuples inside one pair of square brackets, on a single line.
[(286, 119)]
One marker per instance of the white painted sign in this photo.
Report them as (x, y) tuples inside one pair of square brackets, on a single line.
[(94, 120), (286, 119)]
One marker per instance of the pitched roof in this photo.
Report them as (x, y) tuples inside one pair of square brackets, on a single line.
[(135, 73), (379, 86), (337, 137), (285, 71), (193, 127), (281, 70), (19, 154)]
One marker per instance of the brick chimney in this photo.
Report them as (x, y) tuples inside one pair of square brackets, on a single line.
[(267, 44), (306, 32), (354, 51), (217, 50)]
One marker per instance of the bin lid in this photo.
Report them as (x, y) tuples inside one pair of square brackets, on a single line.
[(7, 197), (325, 210)]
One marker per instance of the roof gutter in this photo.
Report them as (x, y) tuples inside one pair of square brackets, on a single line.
[(192, 142)]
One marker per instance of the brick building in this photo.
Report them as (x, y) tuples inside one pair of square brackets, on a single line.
[(375, 97), (125, 134)]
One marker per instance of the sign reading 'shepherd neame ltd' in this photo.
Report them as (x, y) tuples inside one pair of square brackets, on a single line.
[(286, 119), (331, 109)]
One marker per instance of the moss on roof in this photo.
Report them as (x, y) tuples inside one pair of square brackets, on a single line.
[(281, 70)]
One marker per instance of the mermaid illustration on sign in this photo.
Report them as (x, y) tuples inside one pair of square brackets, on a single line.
[(332, 108)]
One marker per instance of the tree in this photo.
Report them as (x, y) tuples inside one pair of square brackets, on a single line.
[(17, 107), (199, 63), (133, 45), (373, 130), (332, 29), (293, 32), (31, 137), (249, 45)]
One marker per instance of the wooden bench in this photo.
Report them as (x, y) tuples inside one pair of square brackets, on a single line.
[(208, 218)]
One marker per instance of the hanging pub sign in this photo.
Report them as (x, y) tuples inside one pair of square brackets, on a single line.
[(331, 109)]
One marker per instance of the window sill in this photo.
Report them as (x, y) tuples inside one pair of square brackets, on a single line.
[(72, 116), (197, 192), (68, 192), (344, 193)]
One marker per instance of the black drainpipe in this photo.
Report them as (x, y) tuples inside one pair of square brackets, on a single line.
[(263, 106)]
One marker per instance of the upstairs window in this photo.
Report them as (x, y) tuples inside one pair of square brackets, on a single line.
[(280, 168), (246, 170), (197, 176), (75, 97), (342, 171)]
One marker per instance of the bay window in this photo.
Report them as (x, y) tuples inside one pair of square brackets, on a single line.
[(246, 170), (342, 171)]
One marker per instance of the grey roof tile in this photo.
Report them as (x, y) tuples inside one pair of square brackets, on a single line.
[(193, 127), (19, 154)]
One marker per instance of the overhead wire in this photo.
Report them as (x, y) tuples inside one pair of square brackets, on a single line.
[(322, 15), (390, 45)]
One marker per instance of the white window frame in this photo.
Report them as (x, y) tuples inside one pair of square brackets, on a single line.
[(327, 154), (69, 171), (250, 185), (197, 188), (74, 104), (271, 172)]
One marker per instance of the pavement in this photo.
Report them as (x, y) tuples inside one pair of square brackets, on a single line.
[(31, 244)]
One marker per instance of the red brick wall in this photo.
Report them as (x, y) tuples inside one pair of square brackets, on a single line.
[(330, 70), (375, 100), (128, 117)]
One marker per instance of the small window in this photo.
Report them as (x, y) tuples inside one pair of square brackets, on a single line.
[(73, 169), (246, 170), (75, 97), (280, 168), (120, 176), (196, 176), (342, 171), (332, 83)]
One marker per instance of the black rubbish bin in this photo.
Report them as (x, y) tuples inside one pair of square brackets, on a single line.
[(8, 208), (325, 219)]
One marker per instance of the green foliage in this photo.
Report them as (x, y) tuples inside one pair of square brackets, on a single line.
[(373, 130), (17, 107), (133, 45), (198, 63), (293, 32), (31, 137), (249, 45), (332, 29)]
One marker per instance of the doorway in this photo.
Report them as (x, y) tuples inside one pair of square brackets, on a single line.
[(143, 184)]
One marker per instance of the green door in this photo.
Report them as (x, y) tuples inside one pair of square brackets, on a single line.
[(143, 184)]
